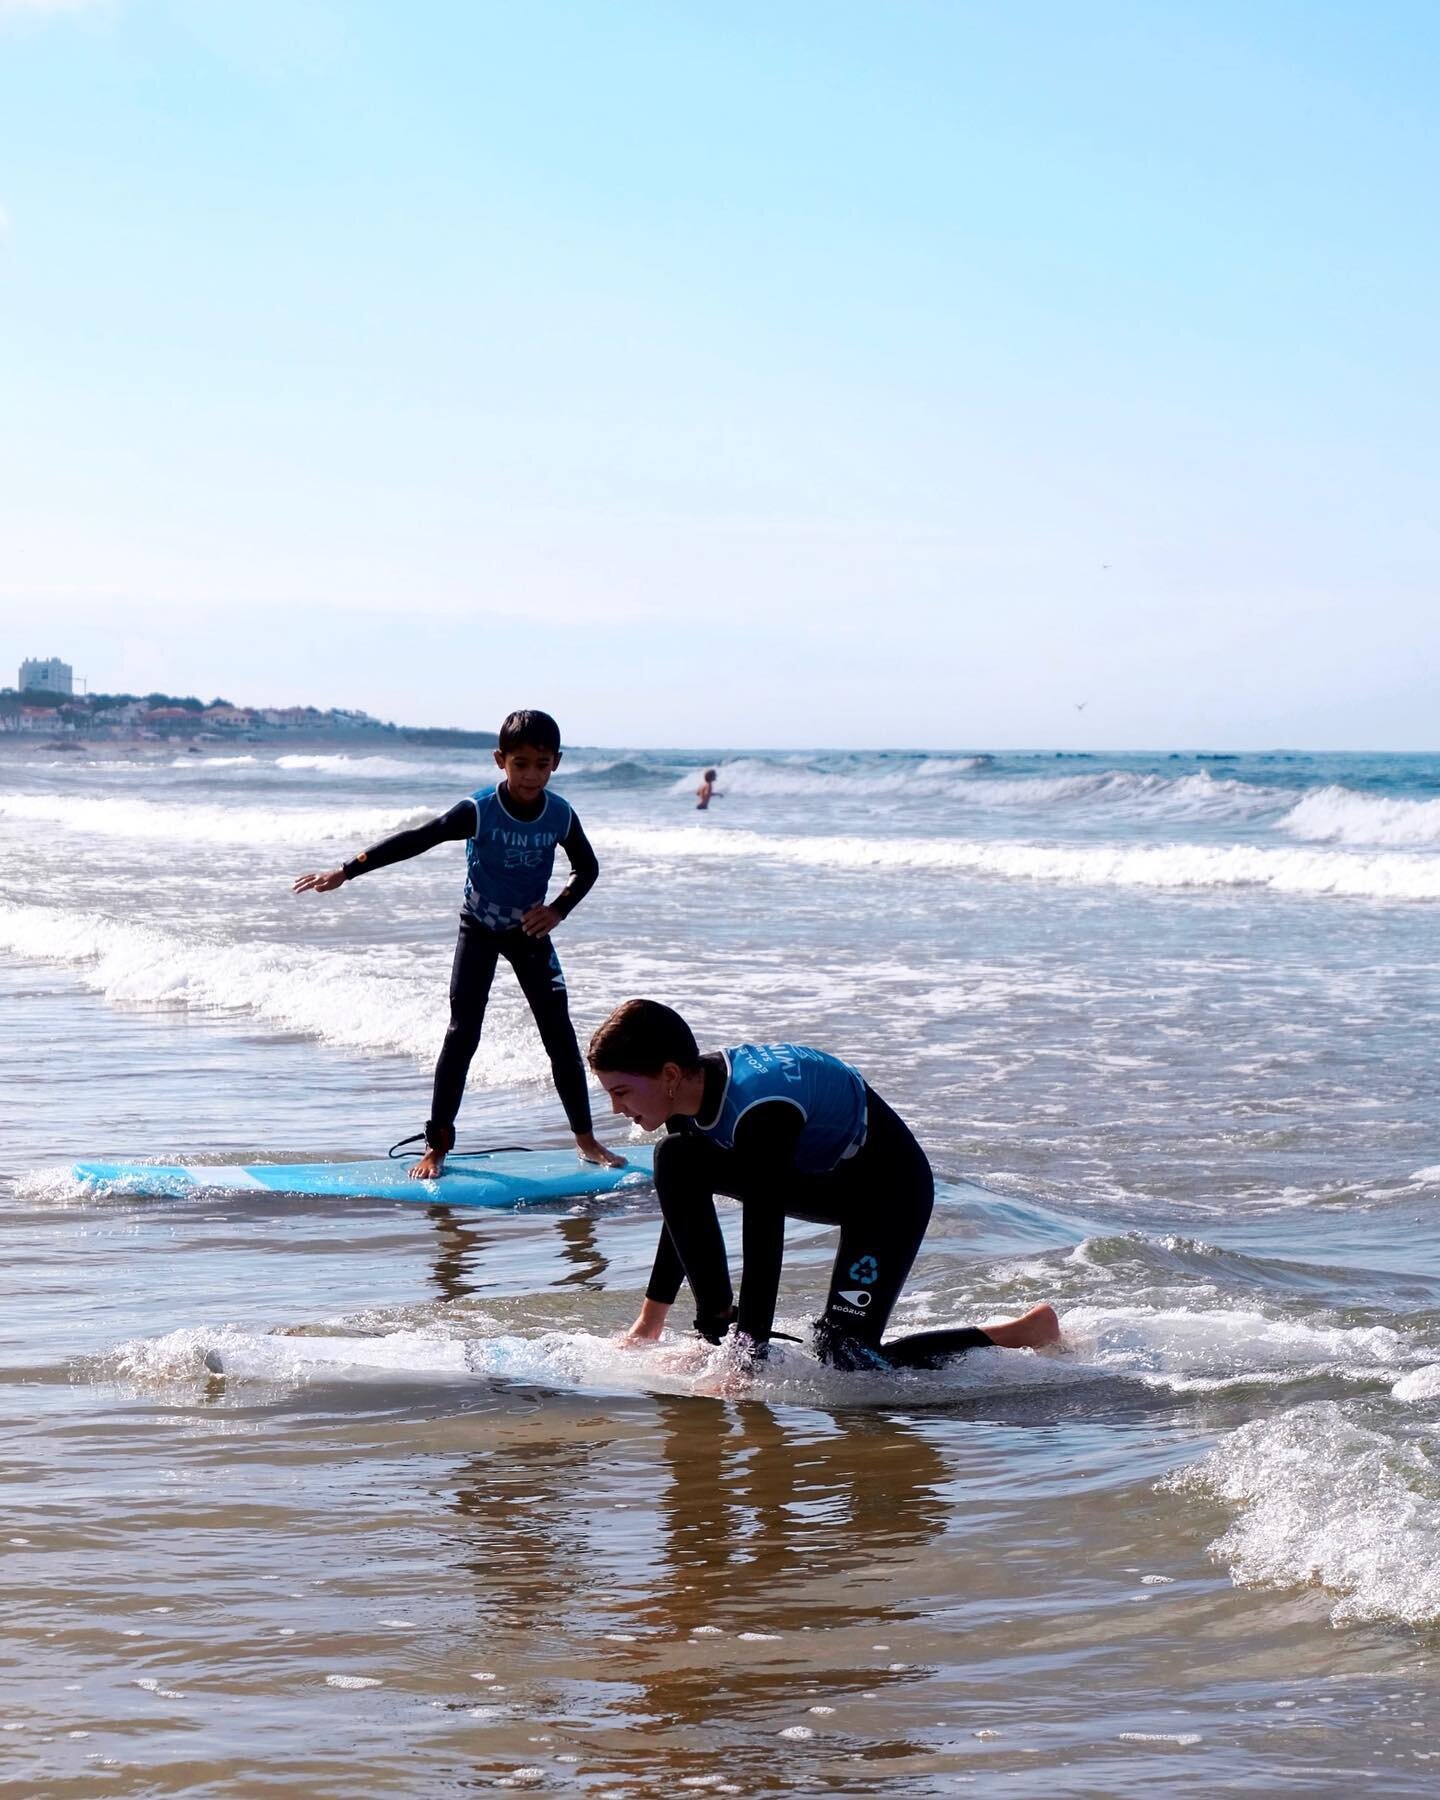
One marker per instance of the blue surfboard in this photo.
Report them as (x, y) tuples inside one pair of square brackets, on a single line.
[(499, 1178)]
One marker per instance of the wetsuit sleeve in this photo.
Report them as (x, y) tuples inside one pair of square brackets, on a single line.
[(666, 1273), (584, 868), (459, 822), (765, 1142), (763, 1239)]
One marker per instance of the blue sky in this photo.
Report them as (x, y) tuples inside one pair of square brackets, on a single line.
[(786, 373)]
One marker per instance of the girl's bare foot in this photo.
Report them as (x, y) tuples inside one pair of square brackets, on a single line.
[(430, 1165), (1031, 1331), (593, 1151)]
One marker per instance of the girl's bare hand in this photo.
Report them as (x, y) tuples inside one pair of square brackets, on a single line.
[(319, 884)]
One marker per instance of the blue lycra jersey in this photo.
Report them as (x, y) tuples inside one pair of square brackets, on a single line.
[(509, 861), (829, 1093)]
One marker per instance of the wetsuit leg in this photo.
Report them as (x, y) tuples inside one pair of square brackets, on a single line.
[(889, 1194), (537, 969), (476, 953), (877, 1253), (932, 1349)]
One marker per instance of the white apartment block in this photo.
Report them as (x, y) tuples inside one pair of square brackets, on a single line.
[(49, 677)]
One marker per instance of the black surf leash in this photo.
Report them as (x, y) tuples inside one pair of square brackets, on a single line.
[(489, 1150)]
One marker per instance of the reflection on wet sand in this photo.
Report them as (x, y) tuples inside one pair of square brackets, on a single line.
[(690, 1544), (582, 1251), (460, 1242), (455, 1241)]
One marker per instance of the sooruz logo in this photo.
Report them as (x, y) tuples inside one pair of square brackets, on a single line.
[(855, 1300)]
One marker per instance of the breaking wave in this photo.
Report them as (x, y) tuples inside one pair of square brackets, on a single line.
[(390, 1001), (174, 821), (1390, 875), (469, 770), (1338, 815), (759, 776)]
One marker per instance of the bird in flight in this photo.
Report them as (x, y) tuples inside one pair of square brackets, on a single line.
[(1080, 705)]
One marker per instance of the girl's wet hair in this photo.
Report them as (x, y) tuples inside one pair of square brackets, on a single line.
[(640, 1037), (535, 730)]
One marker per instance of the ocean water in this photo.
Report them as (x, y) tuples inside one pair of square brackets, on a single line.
[(1166, 1025)]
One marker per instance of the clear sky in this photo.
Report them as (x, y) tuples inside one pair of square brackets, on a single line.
[(778, 372)]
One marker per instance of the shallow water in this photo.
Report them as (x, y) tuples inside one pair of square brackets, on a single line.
[(430, 1531)]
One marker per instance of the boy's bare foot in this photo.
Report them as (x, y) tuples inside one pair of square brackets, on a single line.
[(1031, 1331), (430, 1165), (593, 1151)]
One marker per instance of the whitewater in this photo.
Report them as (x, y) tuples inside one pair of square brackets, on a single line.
[(361, 1479)]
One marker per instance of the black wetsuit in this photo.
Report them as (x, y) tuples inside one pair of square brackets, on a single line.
[(881, 1198), (477, 955)]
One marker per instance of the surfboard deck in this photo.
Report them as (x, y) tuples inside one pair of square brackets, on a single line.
[(502, 1178)]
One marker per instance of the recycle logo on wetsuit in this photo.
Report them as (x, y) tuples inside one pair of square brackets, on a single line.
[(865, 1271)]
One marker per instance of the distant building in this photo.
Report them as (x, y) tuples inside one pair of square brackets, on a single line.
[(42, 718), (232, 717), (49, 677)]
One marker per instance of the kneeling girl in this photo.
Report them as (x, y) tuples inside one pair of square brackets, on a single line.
[(789, 1132)]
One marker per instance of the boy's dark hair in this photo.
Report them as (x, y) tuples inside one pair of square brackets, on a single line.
[(710, 774), (535, 730), (640, 1037)]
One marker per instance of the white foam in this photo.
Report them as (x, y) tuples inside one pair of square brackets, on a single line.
[(1419, 1384), (1178, 1351), (471, 771), (1196, 795), (389, 1000), (250, 1356), (1391, 875), (1185, 1350), (174, 821), (754, 776), (574, 1360), (1339, 815), (1324, 1501)]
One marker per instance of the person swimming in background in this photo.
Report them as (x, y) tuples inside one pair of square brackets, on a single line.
[(789, 1132), (513, 829), (706, 792)]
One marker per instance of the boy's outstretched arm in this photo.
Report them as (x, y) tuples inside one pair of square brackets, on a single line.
[(459, 822), (542, 919)]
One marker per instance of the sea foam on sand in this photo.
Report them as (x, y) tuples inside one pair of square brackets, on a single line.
[(1325, 1501)]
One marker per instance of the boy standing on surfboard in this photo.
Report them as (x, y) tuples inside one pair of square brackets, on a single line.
[(512, 830)]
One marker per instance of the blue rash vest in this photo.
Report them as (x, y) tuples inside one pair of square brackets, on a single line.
[(509, 861), (828, 1092)]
